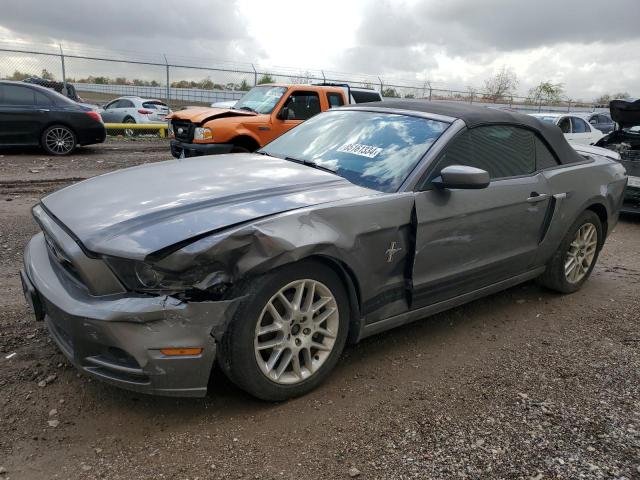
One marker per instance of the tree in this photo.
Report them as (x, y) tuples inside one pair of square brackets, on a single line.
[(502, 84), (244, 86), (390, 92), (18, 75), (265, 78), (606, 98), (409, 95), (546, 92), (46, 74)]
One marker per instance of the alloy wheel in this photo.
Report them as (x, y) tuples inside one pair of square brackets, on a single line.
[(60, 140), (581, 253), (296, 331)]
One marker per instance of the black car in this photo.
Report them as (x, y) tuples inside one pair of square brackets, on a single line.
[(34, 115), (601, 121)]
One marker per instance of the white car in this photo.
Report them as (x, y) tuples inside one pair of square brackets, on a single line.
[(132, 109), (575, 128)]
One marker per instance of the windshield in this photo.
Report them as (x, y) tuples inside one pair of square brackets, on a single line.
[(260, 99), (373, 150)]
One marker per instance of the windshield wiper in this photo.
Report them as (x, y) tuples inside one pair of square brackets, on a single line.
[(245, 108), (311, 163)]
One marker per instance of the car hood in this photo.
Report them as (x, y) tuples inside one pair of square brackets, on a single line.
[(625, 113), (201, 114), (137, 211)]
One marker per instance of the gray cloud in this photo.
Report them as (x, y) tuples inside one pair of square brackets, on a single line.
[(462, 26), (203, 28)]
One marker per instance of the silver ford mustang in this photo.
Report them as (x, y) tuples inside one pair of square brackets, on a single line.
[(359, 220)]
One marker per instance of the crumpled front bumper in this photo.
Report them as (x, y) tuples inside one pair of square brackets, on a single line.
[(118, 338), (181, 149)]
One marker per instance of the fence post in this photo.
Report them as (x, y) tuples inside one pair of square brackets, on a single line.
[(511, 101), (324, 79), (255, 75), (430, 90), (64, 73), (166, 62), (381, 85), (569, 107)]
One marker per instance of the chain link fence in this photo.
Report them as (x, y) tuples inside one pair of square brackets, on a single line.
[(181, 82)]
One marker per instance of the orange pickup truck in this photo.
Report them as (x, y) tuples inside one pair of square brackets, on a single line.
[(261, 115)]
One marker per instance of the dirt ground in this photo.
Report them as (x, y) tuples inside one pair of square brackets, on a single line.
[(525, 384)]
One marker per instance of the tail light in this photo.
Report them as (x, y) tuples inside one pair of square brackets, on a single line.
[(95, 115), (145, 112)]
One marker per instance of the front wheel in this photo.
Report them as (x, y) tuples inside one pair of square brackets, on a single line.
[(289, 333), (129, 132), (58, 140), (576, 257)]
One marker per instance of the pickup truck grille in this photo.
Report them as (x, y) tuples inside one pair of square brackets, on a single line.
[(183, 130)]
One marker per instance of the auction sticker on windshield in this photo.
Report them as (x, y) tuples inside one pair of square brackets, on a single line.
[(360, 149)]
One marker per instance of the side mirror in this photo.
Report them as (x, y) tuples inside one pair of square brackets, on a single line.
[(283, 114), (462, 176)]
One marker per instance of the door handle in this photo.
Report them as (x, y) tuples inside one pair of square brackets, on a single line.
[(536, 197)]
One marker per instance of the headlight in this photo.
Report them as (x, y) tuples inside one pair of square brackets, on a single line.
[(142, 276), (202, 133)]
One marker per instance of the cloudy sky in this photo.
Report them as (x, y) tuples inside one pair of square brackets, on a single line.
[(591, 46)]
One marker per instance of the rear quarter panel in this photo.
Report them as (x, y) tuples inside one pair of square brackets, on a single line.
[(575, 188)]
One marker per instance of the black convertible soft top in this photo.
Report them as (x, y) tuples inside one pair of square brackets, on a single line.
[(475, 116)]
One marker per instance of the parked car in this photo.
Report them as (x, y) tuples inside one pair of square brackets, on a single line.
[(362, 219), (264, 113), (225, 104), (67, 90), (601, 121), (575, 128), (132, 109), (34, 115), (625, 140)]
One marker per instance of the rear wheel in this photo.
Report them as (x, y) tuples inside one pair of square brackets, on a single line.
[(576, 257), (58, 140), (129, 132), (288, 335)]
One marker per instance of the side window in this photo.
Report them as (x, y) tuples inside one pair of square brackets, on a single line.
[(125, 104), (42, 99), (579, 125), (335, 100), (16, 95), (500, 150), (504, 151), (112, 105), (303, 105), (544, 157), (565, 125)]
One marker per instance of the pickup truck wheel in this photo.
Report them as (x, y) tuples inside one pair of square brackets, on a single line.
[(289, 333), (237, 149), (576, 257)]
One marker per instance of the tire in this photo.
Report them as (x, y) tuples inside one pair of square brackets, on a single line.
[(556, 277), (58, 140), (237, 149), (129, 132), (245, 360)]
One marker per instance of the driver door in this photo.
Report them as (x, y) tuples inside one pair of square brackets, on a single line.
[(467, 239), (298, 106)]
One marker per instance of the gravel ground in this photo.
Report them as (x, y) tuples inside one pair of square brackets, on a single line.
[(525, 384)]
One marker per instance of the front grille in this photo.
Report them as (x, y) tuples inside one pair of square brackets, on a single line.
[(183, 130)]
